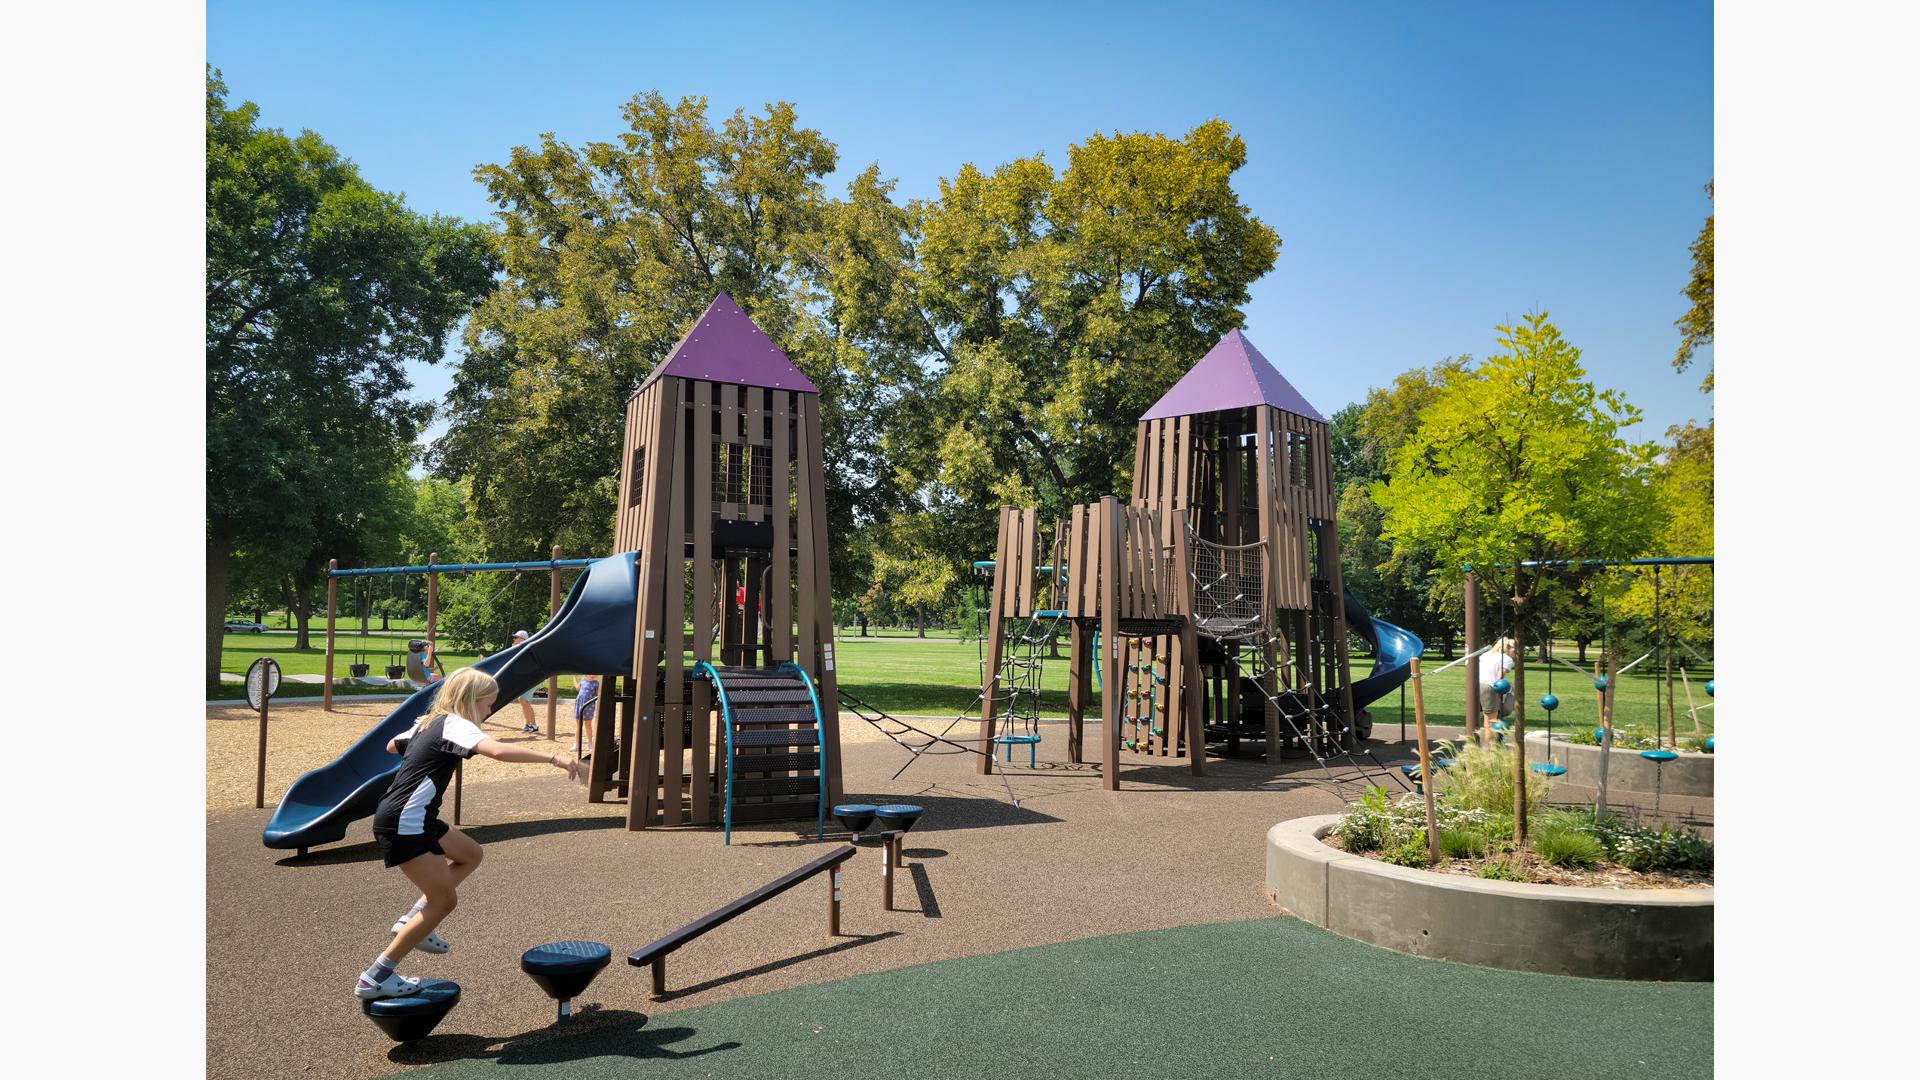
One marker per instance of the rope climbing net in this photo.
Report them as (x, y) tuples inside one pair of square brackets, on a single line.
[(1229, 593), (1229, 605)]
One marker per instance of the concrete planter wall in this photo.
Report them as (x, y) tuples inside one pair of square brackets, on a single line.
[(1663, 934), (1688, 774)]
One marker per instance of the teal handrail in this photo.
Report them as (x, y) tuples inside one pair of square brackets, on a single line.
[(705, 670)]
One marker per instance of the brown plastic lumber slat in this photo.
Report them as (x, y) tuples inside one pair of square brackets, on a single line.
[(673, 633), (644, 772), (655, 955), (826, 678), (781, 609), (1109, 625), (705, 417), (990, 672)]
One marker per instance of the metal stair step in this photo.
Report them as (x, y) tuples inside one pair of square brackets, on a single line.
[(779, 785), (785, 810), (772, 716), (743, 763), (795, 696), (777, 737)]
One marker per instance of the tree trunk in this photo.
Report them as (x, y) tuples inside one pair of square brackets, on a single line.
[(1582, 643), (302, 611), (219, 569), (1446, 644), (920, 622), (863, 624)]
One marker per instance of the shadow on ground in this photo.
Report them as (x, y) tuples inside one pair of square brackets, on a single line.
[(593, 1032)]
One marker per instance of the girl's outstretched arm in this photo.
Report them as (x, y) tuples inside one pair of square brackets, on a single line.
[(500, 751)]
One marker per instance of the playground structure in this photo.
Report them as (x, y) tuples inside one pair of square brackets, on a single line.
[(721, 468), (1216, 590)]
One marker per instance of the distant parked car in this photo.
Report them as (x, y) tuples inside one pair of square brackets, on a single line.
[(238, 626)]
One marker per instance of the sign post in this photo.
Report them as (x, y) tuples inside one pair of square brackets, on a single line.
[(263, 681)]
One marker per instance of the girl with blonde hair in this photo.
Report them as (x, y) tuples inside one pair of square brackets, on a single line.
[(435, 856)]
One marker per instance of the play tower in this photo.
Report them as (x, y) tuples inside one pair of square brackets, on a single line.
[(722, 496), (1215, 590)]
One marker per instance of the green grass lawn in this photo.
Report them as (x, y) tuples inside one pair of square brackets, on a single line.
[(941, 677)]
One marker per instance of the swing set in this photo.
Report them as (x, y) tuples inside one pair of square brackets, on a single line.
[(363, 583), (1605, 684)]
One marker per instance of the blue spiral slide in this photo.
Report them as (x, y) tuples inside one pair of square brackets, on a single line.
[(592, 634), (1394, 649)]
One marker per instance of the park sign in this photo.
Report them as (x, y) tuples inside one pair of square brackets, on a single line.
[(263, 681)]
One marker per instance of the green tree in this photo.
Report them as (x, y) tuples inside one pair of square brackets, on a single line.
[(319, 289), (1047, 311), (1521, 459), (1696, 326), (611, 250), (1396, 581)]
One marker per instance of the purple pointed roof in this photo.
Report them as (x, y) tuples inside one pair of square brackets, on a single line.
[(725, 346), (1233, 375)]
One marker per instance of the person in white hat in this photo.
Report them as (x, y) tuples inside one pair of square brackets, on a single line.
[(527, 726)]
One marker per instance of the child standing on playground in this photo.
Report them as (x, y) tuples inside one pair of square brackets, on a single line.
[(435, 856), (586, 699), (1497, 664)]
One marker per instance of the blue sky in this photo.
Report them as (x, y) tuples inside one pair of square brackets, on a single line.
[(1433, 170)]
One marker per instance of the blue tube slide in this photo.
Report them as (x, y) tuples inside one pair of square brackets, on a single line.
[(1394, 649), (592, 634)]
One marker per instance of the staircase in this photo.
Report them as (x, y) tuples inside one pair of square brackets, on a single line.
[(771, 717)]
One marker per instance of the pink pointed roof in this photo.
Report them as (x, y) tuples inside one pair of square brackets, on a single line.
[(1233, 375), (725, 346)]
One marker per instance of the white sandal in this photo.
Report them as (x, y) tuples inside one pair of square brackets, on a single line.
[(394, 985), (432, 943)]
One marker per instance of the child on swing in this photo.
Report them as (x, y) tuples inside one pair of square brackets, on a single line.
[(435, 856)]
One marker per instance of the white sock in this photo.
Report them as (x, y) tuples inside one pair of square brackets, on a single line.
[(418, 906)]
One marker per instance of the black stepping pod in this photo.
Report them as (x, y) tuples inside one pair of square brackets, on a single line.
[(564, 969), (855, 817), (413, 1017)]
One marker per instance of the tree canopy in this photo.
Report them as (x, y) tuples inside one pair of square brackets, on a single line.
[(1516, 460), (319, 289), (1696, 326)]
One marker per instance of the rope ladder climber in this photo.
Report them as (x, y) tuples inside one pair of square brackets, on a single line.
[(1017, 705), (1229, 602)]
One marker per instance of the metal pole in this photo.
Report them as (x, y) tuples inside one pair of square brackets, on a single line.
[(260, 772), (433, 606), (333, 589), (833, 902), (553, 608)]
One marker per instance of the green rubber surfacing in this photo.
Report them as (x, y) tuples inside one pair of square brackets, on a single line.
[(1266, 998)]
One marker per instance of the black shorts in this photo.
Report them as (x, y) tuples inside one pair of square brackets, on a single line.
[(396, 848)]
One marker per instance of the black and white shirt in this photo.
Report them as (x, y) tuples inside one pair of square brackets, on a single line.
[(429, 754)]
